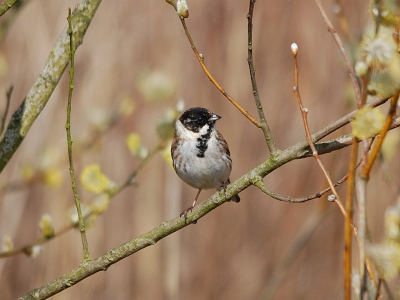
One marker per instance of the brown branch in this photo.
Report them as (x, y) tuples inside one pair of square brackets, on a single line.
[(304, 112), (200, 58), (349, 222)]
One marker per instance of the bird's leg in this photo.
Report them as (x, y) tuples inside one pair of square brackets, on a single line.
[(184, 213)]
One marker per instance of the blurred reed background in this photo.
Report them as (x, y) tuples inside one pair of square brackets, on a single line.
[(238, 251)]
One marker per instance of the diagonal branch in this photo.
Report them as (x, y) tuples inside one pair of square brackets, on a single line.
[(42, 89), (6, 5), (200, 58), (102, 263)]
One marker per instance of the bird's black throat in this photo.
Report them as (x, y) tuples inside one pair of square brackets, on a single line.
[(202, 142)]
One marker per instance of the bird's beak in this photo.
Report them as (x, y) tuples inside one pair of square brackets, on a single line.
[(214, 117)]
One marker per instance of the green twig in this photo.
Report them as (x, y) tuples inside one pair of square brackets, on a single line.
[(86, 256)]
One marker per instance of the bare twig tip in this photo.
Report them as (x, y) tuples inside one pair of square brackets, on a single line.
[(331, 198), (182, 8), (294, 48)]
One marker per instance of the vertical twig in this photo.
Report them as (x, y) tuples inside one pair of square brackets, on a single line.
[(86, 256), (263, 122), (348, 221), (304, 112)]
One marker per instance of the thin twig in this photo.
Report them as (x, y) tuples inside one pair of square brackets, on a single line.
[(86, 256), (263, 122), (338, 41), (304, 112), (349, 222), (200, 58), (260, 184), (4, 117)]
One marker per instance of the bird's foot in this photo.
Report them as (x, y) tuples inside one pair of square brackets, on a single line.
[(185, 212), (234, 198)]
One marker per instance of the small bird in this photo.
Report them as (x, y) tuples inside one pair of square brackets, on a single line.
[(200, 154)]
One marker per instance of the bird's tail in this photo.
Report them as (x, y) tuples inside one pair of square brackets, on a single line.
[(235, 198)]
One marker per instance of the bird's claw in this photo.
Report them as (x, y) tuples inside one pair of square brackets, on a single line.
[(185, 212)]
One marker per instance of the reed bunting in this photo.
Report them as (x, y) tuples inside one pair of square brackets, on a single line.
[(200, 154)]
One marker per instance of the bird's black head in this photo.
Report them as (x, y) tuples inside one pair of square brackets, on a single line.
[(195, 118)]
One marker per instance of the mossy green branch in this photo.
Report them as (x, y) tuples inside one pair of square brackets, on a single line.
[(42, 89), (6, 5), (102, 263)]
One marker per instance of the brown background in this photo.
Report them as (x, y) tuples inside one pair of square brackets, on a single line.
[(236, 251)]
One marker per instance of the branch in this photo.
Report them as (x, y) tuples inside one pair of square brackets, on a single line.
[(81, 222), (349, 221), (40, 92), (260, 184), (200, 58), (6, 5), (102, 263), (263, 122), (304, 112)]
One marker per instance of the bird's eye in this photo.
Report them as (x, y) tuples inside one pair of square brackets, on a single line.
[(200, 119)]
